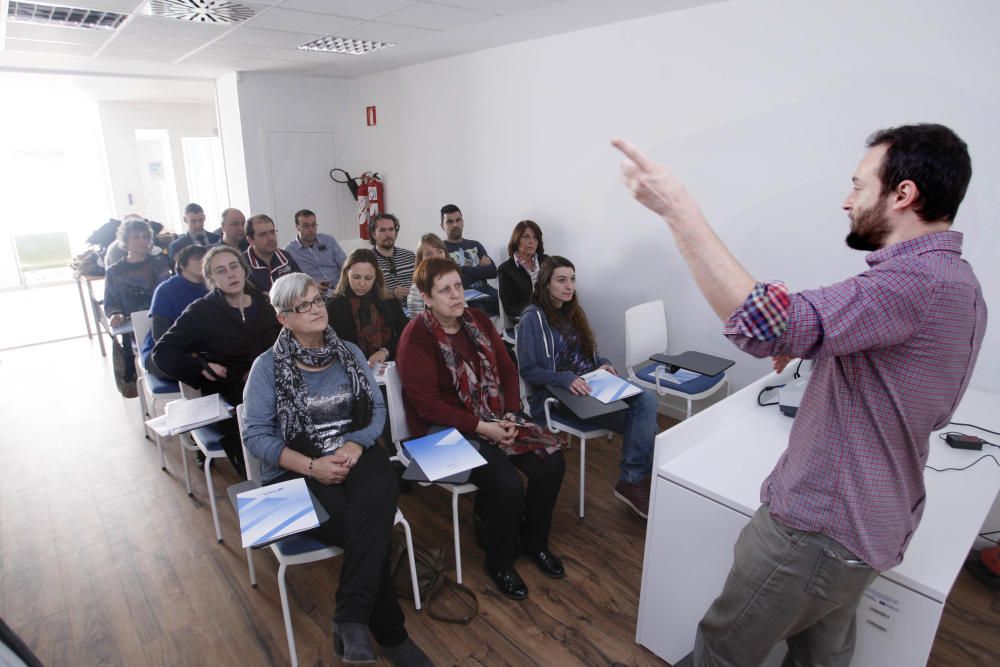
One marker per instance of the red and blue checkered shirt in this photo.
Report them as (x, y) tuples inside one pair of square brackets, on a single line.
[(893, 350)]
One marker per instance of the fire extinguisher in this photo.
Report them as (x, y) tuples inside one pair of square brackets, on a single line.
[(371, 200)]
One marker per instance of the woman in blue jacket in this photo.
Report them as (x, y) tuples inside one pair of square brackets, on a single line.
[(555, 345)]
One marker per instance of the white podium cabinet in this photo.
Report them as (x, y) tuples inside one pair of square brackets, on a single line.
[(708, 471)]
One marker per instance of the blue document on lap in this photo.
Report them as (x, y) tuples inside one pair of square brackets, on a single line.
[(443, 455), (472, 295), (269, 513), (607, 387)]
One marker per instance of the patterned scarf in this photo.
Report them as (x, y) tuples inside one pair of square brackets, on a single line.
[(483, 396), (291, 390)]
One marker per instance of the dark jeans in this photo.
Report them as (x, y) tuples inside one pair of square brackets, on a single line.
[(362, 511), (230, 440), (785, 584), (514, 517)]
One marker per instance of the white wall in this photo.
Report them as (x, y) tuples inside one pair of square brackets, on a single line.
[(120, 120), (227, 105), (761, 107)]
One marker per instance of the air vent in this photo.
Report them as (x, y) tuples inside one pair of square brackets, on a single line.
[(354, 47), (68, 17), (200, 11)]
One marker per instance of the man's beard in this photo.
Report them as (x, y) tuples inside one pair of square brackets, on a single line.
[(388, 244), (869, 228)]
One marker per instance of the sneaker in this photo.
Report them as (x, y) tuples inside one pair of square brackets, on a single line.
[(635, 496)]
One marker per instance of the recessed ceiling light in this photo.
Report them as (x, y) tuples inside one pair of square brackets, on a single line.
[(354, 47), (200, 11), (69, 17)]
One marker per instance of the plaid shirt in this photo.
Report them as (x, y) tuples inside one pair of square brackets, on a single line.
[(893, 350)]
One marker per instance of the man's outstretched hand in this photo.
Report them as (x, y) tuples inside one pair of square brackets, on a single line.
[(651, 183)]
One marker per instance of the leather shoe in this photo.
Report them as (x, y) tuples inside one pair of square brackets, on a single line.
[(509, 582), (548, 563), (353, 644)]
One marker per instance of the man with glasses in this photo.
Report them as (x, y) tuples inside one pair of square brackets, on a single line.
[(267, 263), (318, 255), (396, 263)]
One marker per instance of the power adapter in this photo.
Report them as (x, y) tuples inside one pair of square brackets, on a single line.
[(963, 441)]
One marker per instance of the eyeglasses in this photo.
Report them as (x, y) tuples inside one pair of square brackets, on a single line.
[(306, 306)]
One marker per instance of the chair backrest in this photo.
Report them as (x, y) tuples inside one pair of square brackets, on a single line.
[(252, 463), (397, 414), (645, 332), (505, 322), (140, 326)]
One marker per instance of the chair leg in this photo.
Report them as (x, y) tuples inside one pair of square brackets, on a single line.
[(184, 460), (158, 439), (287, 613), (253, 570), (413, 563), (688, 409), (583, 473), (458, 544), (211, 499)]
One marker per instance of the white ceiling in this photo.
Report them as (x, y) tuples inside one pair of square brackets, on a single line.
[(151, 46)]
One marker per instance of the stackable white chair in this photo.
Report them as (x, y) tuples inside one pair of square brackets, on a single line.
[(154, 393), (401, 431), (646, 335), (507, 331), (300, 549), (208, 440)]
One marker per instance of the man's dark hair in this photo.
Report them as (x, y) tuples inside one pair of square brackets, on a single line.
[(934, 158), (304, 213), (260, 217), (193, 208), (188, 253), (449, 208)]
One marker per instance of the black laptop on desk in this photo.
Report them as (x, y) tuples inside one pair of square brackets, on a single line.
[(584, 407)]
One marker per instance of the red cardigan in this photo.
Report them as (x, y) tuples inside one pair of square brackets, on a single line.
[(429, 396)]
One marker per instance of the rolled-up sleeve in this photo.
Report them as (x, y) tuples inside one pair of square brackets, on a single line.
[(261, 431)]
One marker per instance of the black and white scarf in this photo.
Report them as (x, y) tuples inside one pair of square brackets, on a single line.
[(291, 391)]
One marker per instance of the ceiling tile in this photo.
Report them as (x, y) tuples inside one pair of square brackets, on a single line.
[(360, 9), (248, 64), (295, 21), (502, 7), (384, 32), (152, 26), (436, 17), (32, 46), (127, 41), (270, 38), (315, 57), (237, 50), (51, 33), (116, 52)]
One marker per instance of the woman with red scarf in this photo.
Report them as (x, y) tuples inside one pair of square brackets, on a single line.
[(456, 373)]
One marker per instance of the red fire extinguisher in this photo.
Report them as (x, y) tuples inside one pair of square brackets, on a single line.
[(371, 200)]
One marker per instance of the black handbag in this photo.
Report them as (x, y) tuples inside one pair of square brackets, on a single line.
[(433, 583)]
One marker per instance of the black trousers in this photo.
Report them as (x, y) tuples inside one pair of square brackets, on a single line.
[(362, 511), (511, 516)]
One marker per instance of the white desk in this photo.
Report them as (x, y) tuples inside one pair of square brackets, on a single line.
[(709, 470)]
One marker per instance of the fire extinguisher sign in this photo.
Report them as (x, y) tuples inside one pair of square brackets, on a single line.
[(370, 116)]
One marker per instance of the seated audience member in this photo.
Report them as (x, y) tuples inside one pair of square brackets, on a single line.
[(170, 299), (318, 255), (396, 263), (430, 246), (456, 373), (363, 313), (213, 343), (194, 218), (232, 230), (266, 262), (555, 345), (313, 411), (475, 265), (519, 274), (116, 252)]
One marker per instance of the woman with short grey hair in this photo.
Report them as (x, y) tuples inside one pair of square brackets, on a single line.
[(313, 411)]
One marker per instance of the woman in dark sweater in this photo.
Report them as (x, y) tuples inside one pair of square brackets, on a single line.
[(214, 342), (456, 373), (362, 312), (519, 273)]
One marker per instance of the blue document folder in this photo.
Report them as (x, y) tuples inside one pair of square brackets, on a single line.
[(607, 387), (269, 513), (473, 294), (443, 454)]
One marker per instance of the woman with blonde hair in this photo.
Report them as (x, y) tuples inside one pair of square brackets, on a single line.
[(430, 246)]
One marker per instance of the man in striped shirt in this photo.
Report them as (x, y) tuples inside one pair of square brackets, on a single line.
[(893, 348), (396, 263)]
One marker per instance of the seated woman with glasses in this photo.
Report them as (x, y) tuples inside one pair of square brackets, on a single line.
[(555, 345), (312, 411), (430, 246), (362, 312), (212, 345), (456, 373), (519, 274)]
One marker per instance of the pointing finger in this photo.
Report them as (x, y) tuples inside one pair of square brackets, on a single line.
[(632, 153)]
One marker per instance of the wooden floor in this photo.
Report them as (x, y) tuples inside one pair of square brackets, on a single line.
[(105, 561)]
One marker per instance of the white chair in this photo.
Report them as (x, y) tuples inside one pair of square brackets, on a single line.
[(208, 440), (154, 393), (401, 431), (506, 326), (646, 335), (300, 549)]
